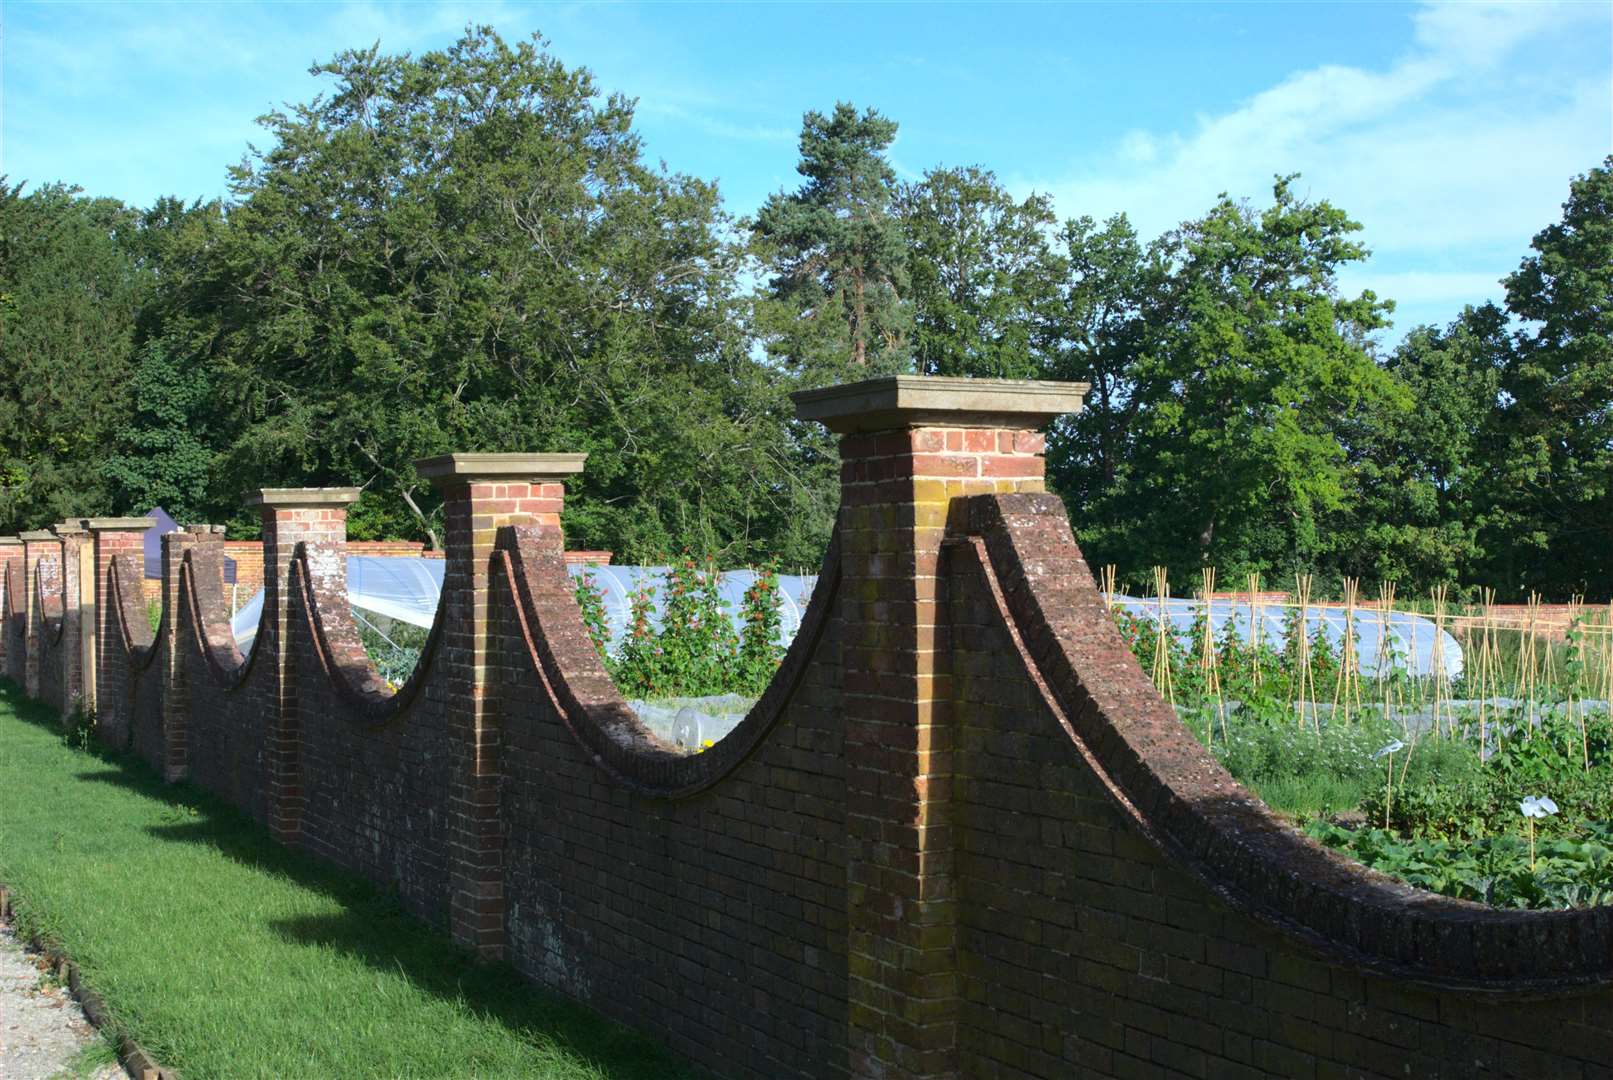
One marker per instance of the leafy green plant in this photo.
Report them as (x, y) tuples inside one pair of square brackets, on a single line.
[(759, 650), (697, 641), (637, 668), (591, 602), (394, 652)]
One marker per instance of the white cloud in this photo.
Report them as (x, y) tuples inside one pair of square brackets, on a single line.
[(1452, 155), (712, 125), (1425, 286)]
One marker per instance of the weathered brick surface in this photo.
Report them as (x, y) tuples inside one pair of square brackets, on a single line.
[(960, 836), (227, 727), (1109, 930), (716, 919), (41, 580), (122, 631), (13, 630), (57, 637), (372, 765)]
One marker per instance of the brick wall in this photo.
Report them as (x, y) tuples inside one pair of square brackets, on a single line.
[(960, 836), (13, 610)]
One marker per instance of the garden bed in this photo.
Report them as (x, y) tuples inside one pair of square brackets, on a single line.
[(1495, 786)]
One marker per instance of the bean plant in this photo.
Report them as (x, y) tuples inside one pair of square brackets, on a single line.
[(1452, 824)]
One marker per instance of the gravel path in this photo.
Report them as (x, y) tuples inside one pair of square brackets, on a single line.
[(42, 1029)]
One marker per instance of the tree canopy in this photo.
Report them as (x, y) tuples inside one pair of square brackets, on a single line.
[(466, 250)]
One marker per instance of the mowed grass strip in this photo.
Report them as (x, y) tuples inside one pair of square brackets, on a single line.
[(225, 955)]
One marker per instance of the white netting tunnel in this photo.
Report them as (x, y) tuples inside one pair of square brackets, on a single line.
[(407, 590), (1401, 640)]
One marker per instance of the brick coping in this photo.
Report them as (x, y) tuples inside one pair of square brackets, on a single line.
[(529, 565), (1180, 797), (341, 653)]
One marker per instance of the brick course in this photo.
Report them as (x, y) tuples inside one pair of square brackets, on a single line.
[(960, 836)]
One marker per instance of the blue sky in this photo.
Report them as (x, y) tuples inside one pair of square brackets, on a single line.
[(1449, 131)]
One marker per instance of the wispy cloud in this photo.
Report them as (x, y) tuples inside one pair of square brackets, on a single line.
[(713, 125), (1451, 154)]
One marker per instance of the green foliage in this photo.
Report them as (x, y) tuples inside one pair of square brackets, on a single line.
[(1558, 756), (395, 652), (759, 650), (70, 290), (1495, 871), (1418, 475), (637, 665), (1252, 358), (464, 250), (162, 458), (984, 279), (697, 644), (833, 308), (1442, 811), (1549, 512), (591, 603), (696, 652)]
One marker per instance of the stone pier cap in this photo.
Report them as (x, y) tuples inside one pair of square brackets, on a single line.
[(907, 401), (117, 524), (499, 468), (312, 498)]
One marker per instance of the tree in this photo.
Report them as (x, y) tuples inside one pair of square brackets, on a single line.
[(1419, 475), (983, 278), (162, 456), (1101, 327), (69, 293), (834, 306), (1232, 453), (1550, 512), (464, 251)]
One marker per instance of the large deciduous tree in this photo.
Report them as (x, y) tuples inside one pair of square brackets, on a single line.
[(1232, 455), (1550, 513), (464, 251), (1419, 475), (983, 277)]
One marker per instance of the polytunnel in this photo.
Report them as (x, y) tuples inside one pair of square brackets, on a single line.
[(1397, 639), (407, 589)]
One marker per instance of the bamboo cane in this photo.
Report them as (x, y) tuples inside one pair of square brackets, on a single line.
[(1347, 685), (1437, 595), (1257, 630), (1162, 656), (1305, 689)]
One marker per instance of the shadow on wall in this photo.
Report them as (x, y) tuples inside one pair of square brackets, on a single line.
[(372, 926)]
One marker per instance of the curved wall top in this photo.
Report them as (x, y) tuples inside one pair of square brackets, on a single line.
[(960, 834), (1178, 795)]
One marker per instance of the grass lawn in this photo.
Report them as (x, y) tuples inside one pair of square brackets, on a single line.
[(225, 955)]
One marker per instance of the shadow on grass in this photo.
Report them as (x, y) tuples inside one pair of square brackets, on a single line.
[(373, 927)]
